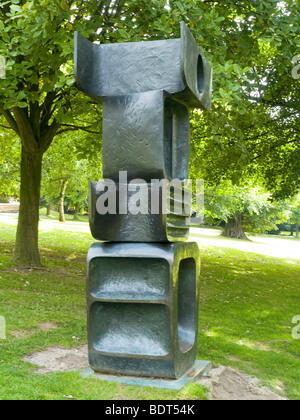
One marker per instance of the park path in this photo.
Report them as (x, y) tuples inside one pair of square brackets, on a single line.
[(273, 246)]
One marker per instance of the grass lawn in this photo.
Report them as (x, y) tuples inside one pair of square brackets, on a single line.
[(248, 302), (54, 215)]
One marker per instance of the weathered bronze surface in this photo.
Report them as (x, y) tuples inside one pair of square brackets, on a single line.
[(153, 226), (176, 66), (147, 135), (143, 302)]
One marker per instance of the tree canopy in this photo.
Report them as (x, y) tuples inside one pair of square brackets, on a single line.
[(251, 129), (258, 130)]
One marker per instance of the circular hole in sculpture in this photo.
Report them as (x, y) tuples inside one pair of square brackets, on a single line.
[(200, 74)]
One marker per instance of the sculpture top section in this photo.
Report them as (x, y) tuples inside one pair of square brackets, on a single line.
[(176, 66)]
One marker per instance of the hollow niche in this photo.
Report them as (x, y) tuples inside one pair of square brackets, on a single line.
[(187, 304), (130, 328), (128, 278), (176, 139)]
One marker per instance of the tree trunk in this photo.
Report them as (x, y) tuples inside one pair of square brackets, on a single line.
[(48, 210), (77, 209), (32, 126), (297, 230), (61, 210), (234, 227), (26, 248)]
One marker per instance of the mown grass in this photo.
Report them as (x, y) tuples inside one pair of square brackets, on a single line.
[(55, 294), (248, 302)]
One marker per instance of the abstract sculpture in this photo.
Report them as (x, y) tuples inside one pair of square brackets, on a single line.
[(143, 282)]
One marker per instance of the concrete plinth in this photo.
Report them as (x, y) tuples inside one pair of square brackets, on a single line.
[(198, 370)]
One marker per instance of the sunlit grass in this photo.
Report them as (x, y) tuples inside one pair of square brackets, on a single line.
[(247, 304)]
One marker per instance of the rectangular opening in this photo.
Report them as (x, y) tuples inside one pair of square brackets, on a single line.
[(130, 328), (176, 139), (187, 304), (129, 278)]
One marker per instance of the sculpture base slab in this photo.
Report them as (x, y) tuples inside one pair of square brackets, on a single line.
[(198, 370)]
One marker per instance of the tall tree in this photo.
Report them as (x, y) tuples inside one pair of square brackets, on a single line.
[(295, 213), (39, 100), (245, 208), (66, 171)]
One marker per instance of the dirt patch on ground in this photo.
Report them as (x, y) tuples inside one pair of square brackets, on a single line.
[(223, 383), (228, 384), (42, 326), (47, 326), (58, 359)]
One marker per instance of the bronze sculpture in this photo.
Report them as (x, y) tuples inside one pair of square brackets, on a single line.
[(143, 282)]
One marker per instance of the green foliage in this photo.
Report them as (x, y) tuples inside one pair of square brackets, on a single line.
[(32, 43), (250, 47), (37, 41), (65, 162), (295, 210), (253, 127), (9, 164)]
